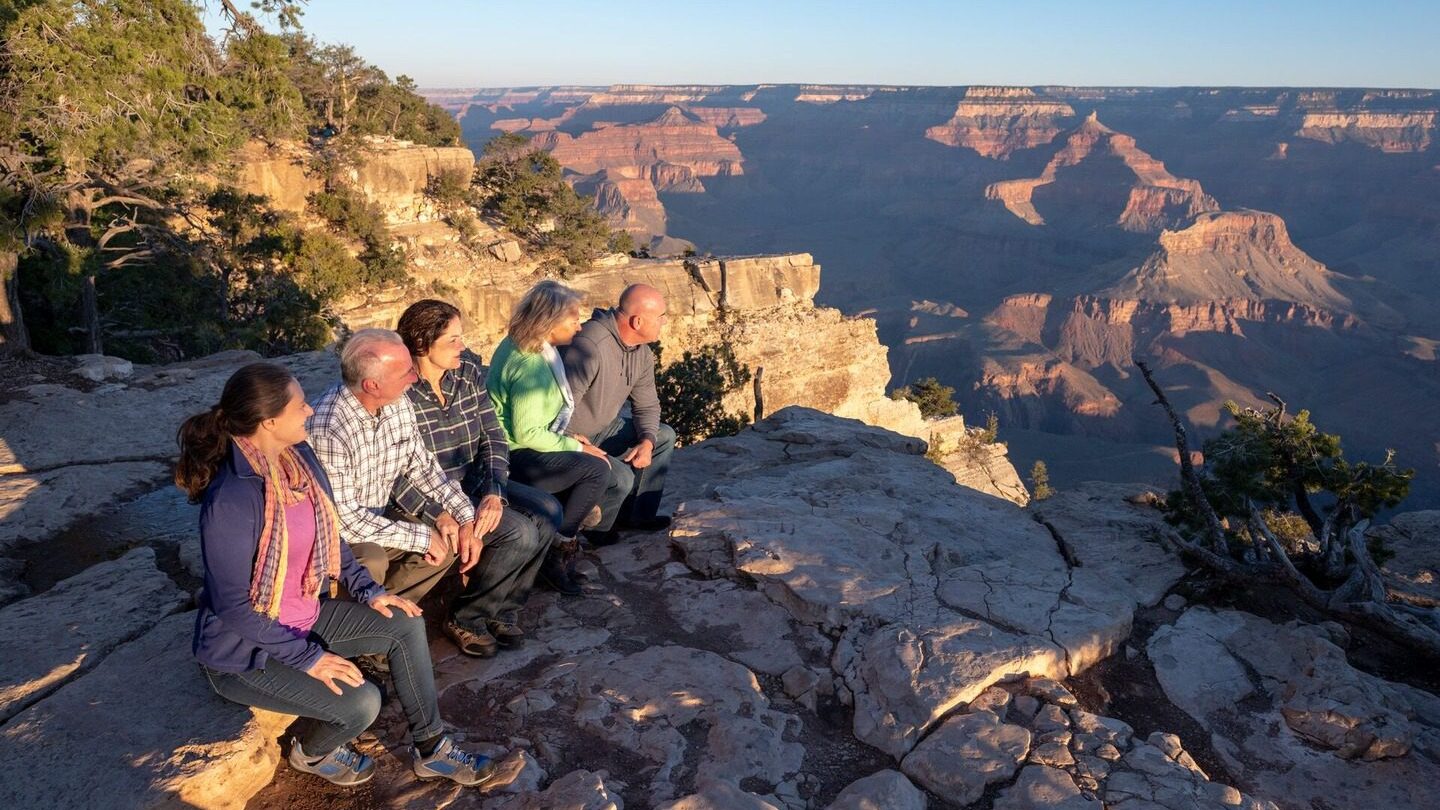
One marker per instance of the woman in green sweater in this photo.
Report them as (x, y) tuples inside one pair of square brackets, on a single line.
[(532, 399)]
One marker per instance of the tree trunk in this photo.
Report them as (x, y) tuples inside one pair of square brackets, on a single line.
[(14, 338), (90, 315)]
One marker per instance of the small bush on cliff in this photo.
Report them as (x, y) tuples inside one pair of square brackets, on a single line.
[(692, 389), (525, 188), (935, 400), (1291, 474), (1040, 488), (350, 215)]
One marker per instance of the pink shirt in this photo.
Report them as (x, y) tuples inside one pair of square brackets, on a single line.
[(298, 612)]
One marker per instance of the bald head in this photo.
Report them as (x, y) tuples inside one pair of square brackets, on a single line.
[(640, 299), (641, 314)]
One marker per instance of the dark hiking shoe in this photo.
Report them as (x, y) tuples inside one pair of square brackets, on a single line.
[(507, 634), (474, 643), (449, 762), (343, 766)]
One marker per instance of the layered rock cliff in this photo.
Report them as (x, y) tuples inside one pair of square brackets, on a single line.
[(998, 121), (1154, 198)]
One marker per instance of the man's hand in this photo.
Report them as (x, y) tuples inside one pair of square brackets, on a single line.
[(639, 455), (385, 601), (470, 545), (439, 548), (487, 515), (331, 668), (448, 528)]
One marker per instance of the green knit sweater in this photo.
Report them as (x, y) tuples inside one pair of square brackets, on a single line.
[(527, 399)]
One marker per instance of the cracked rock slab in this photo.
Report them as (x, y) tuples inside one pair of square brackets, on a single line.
[(1285, 696), (910, 680), (1041, 787), (966, 754), (142, 729), (673, 705), (886, 790), (577, 790), (56, 637)]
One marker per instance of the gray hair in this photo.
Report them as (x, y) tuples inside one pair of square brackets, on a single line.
[(543, 308), (360, 360)]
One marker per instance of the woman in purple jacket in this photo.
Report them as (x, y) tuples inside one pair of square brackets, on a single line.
[(270, 632)]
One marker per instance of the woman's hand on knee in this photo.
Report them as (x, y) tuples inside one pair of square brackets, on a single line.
[(385, 601), (331, 668)]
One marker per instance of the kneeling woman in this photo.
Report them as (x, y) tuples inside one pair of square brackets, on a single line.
[(269, 634)]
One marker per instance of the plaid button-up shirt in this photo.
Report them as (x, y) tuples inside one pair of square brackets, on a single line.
[(365, 455), (464, 434)]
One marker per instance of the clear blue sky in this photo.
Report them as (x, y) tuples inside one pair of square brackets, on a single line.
[(469, 43)]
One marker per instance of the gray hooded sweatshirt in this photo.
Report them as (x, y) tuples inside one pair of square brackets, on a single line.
[(603, 372)]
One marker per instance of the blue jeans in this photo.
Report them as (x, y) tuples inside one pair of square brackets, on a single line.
[(633, 495), (347, 629)]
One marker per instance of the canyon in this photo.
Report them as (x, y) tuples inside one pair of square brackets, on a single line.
[(1247, 241)]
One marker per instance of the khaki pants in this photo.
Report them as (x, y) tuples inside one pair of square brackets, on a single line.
[(402, 573)]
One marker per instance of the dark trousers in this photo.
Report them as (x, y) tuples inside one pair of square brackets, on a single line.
[(347, 629), (494, 589), (577, 479), (633, 495)]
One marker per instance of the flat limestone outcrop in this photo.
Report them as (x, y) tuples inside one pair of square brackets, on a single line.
[(54, 638), (1286, 697), (936, 591), (143, 729)]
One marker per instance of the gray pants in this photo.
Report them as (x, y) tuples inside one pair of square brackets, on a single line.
[(349, 630)]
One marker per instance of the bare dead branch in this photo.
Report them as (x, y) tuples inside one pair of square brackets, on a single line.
[(1189, 479)]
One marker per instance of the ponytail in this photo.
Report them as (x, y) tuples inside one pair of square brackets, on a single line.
[(203, 444), (256, 392)]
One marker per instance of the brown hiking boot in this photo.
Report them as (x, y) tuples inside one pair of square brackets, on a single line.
[(478, 644)]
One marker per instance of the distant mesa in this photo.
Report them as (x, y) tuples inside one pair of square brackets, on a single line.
[(1155, 198), (1388, 132), (999, 121), (1232, 256)]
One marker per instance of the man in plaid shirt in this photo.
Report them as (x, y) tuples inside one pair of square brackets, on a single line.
[(365, 433)]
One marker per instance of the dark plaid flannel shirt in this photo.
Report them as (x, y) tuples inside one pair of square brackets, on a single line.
[(464, 434)]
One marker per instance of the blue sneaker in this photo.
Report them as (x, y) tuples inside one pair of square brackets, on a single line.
[(343, 766), (449, 762)]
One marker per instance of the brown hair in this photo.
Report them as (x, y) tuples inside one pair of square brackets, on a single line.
[(256, 392), (543, 308), (423, 323)]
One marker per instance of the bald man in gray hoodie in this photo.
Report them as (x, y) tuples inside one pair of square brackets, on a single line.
[(607, 365)]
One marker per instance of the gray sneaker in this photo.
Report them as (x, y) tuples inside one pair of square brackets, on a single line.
[(343, 766), (449, 762)]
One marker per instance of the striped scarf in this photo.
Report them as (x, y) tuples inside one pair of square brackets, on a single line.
[(292, 483)]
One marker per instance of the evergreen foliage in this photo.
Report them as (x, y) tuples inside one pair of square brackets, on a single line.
[(1040, 488), (525, 189), (108, 111), (692, 390), (935, 400), (1293, 473)]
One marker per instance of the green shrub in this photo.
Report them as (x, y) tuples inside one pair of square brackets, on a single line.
[(935, 400), (691, 390)]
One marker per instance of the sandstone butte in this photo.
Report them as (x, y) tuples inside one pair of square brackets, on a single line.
[(1156, 199)]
